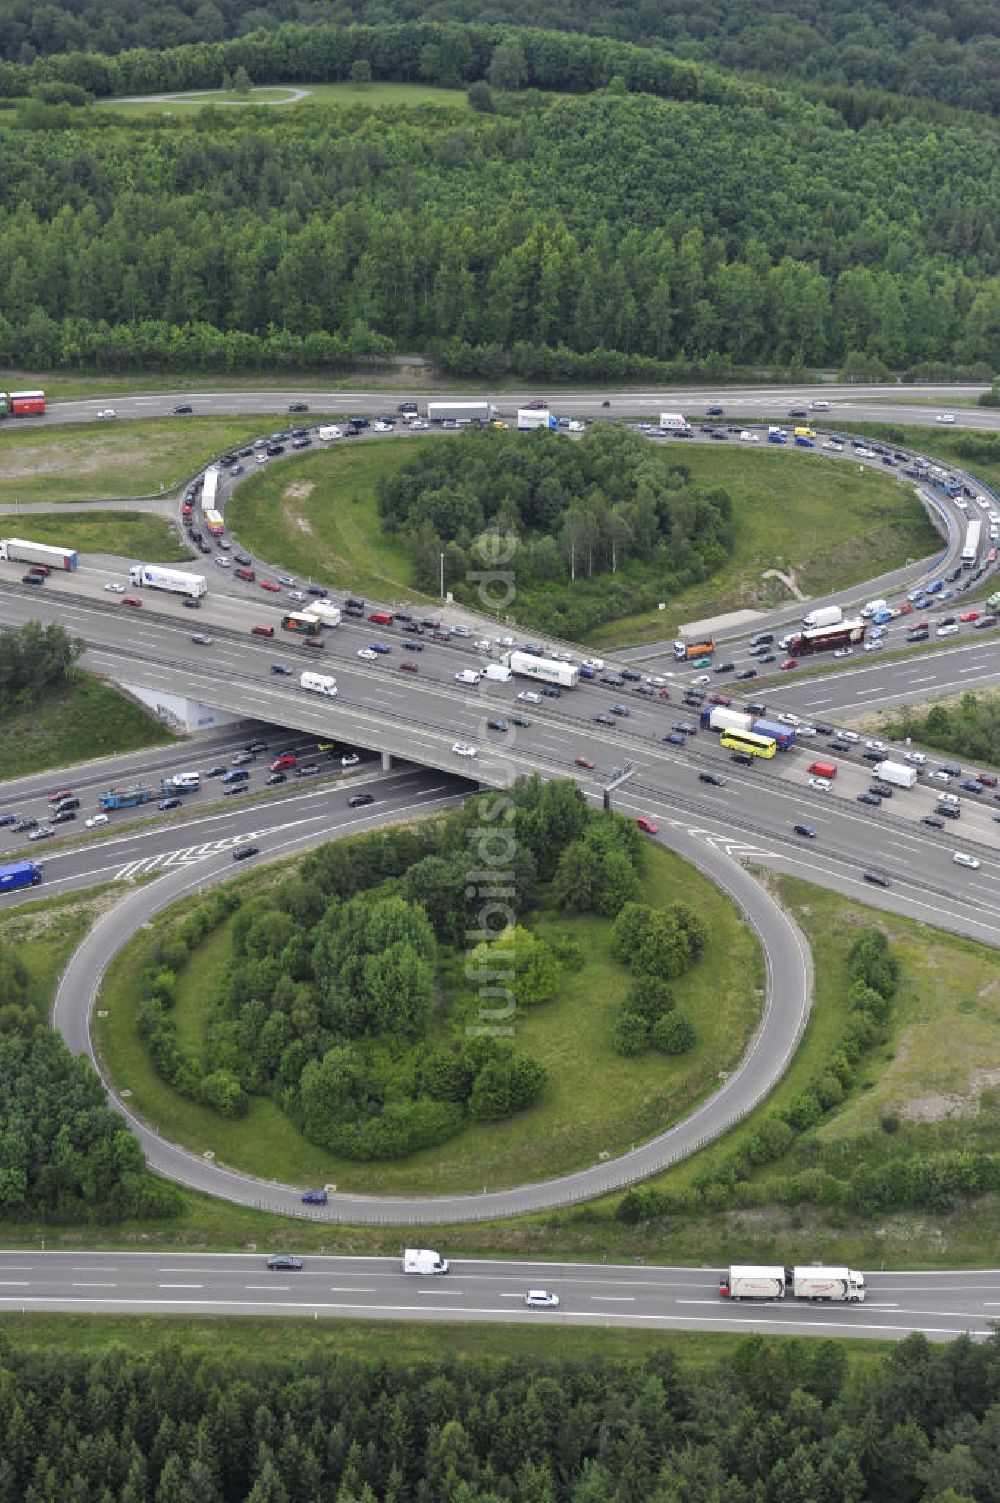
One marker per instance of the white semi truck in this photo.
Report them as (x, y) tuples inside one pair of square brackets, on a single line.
[(546, 670), (674, 422), (719, 718), (896, 773), (174, 581), (824, 615), (210, 488), (461, 412), (812, 1282), (19, 550), (535, 417)]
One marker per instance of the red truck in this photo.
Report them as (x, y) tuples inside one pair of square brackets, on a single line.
[(283, 763), (826, 638), (381, 618), (26, 403), (823, 769)]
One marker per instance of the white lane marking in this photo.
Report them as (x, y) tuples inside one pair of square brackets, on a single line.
[(14, 1283), (349, 1289), (82, 1285), (619, 1299), (180, 1286)]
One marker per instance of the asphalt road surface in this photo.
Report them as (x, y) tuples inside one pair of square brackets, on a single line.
[(939, 1305)]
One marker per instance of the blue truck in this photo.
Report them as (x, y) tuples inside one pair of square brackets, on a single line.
[(19, 874), (124, 798), (783, 734)]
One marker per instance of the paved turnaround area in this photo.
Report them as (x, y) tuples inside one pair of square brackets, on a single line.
[(940, 1305)]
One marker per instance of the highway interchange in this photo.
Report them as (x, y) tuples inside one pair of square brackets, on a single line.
[(417, 717)]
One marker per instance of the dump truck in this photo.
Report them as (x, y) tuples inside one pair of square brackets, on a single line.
[(19, 550), (174, 581), (701, 648)]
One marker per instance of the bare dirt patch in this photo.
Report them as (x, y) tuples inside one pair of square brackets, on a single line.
[(939, 1105), (299, 490)]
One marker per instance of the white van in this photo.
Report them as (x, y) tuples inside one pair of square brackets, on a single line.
[(962, 858), (468, 676), (529, 697), (423, 1260), (329, 431), (820, 406)]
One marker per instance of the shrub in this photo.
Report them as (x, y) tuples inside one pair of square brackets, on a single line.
[(672, 1034)]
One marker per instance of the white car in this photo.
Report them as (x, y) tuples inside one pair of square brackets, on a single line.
[(822, 785), (261, 458), (95, 820), (367, 653), (382, 427), (962, 858), (222, 561), (940, 776), (296, 595), (917, 758), (875, 746), (575, 426), (350, 760), (506, 641), (418, 425), (849, 735), (749, 438), (874, 646), (829, 444), (948, 631), (657, 681), (116, 589), (542, 1299), (844, 652), (596, 663), (463, 749), (461, 631), (701, 678), (945, 417), (787, 719), (107, 412), (286, 579), (806, 730)]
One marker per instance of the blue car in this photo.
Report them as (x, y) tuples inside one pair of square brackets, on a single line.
[(380, 647), (675, 738), (587, 672), (413, 646), (314, 1198), (169, 803), (315, 589)]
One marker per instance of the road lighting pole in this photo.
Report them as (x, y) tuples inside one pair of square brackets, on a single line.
[(441, 559)]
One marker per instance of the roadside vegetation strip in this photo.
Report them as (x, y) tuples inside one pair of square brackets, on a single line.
[(129, 534), (114, 460), (596, 1101), (370, 96), (82, 719)]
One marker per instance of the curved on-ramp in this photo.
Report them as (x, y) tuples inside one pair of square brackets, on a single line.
[(787, 998)]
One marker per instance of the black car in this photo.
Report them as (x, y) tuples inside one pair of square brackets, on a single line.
[(685, 727), (25, 824), (797, 412), (242, 558), (675, 738), (718, 433), (7, 819), (604, 720), (747, 673), (823, 730), (280, 668), (413, 646), (521, 720), (743, 758), (713, 778), (806, 830), (938, 824), (244, 852), (761, 638), (869, 798), (217, 772), (431, 623), (273, 450), (723, 667), (646, 689), (496, 725), (255, 746), (408, 625), (767, 657), (631, 675), (232, 789), (359, 800), (284, 1261), (275, 777), (183, 409), (551, 692), (879, 879), (622, 710), (298, 406), (950, 811), (881, 790), (837, 745), (614, 679), (950, 769), (754, 708), (873, 756)]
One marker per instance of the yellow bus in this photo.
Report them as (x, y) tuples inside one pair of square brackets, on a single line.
[(749, 741)]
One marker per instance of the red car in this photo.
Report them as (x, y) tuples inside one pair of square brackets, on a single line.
[(649, 825), (584, 762), (63, 793), (790, 663), (719, 699), (969, 616), (991, 557), (262, 631), (186, 509), (663, 693), (407, 667), (266, 584), (986, 778), (283, 762), (906, 609), (316, 643), (131, 600)]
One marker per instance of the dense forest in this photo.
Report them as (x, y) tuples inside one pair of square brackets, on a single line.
[(600, 235), (944, 51), (348, 994), (602, 527), (774, 1422)]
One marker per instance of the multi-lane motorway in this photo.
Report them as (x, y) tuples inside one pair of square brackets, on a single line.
[(941, 1305), (419, 717)]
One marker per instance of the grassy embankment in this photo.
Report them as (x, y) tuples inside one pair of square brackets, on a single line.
[(596, 1101), (129, 534), (85, 718), (344, 95), (321, 519)]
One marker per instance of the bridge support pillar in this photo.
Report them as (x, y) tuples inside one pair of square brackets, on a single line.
[(386, 761)]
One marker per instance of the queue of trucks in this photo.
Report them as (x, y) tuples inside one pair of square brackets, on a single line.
[(720, 718), (813, 1282), (22, 403)]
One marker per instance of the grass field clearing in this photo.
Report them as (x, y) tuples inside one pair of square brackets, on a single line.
[(132, 534), (596, 1101), (85, 718), (373, 96)]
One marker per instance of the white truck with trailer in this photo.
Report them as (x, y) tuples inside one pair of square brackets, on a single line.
[(674, 422), (461, 412), (21, 551), (319, 683), (323, 611), (814, 1283), (896, 773), (423, 1260), (824, 615), (210, 488), (535, 417), (546, 670), (174, 581)]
